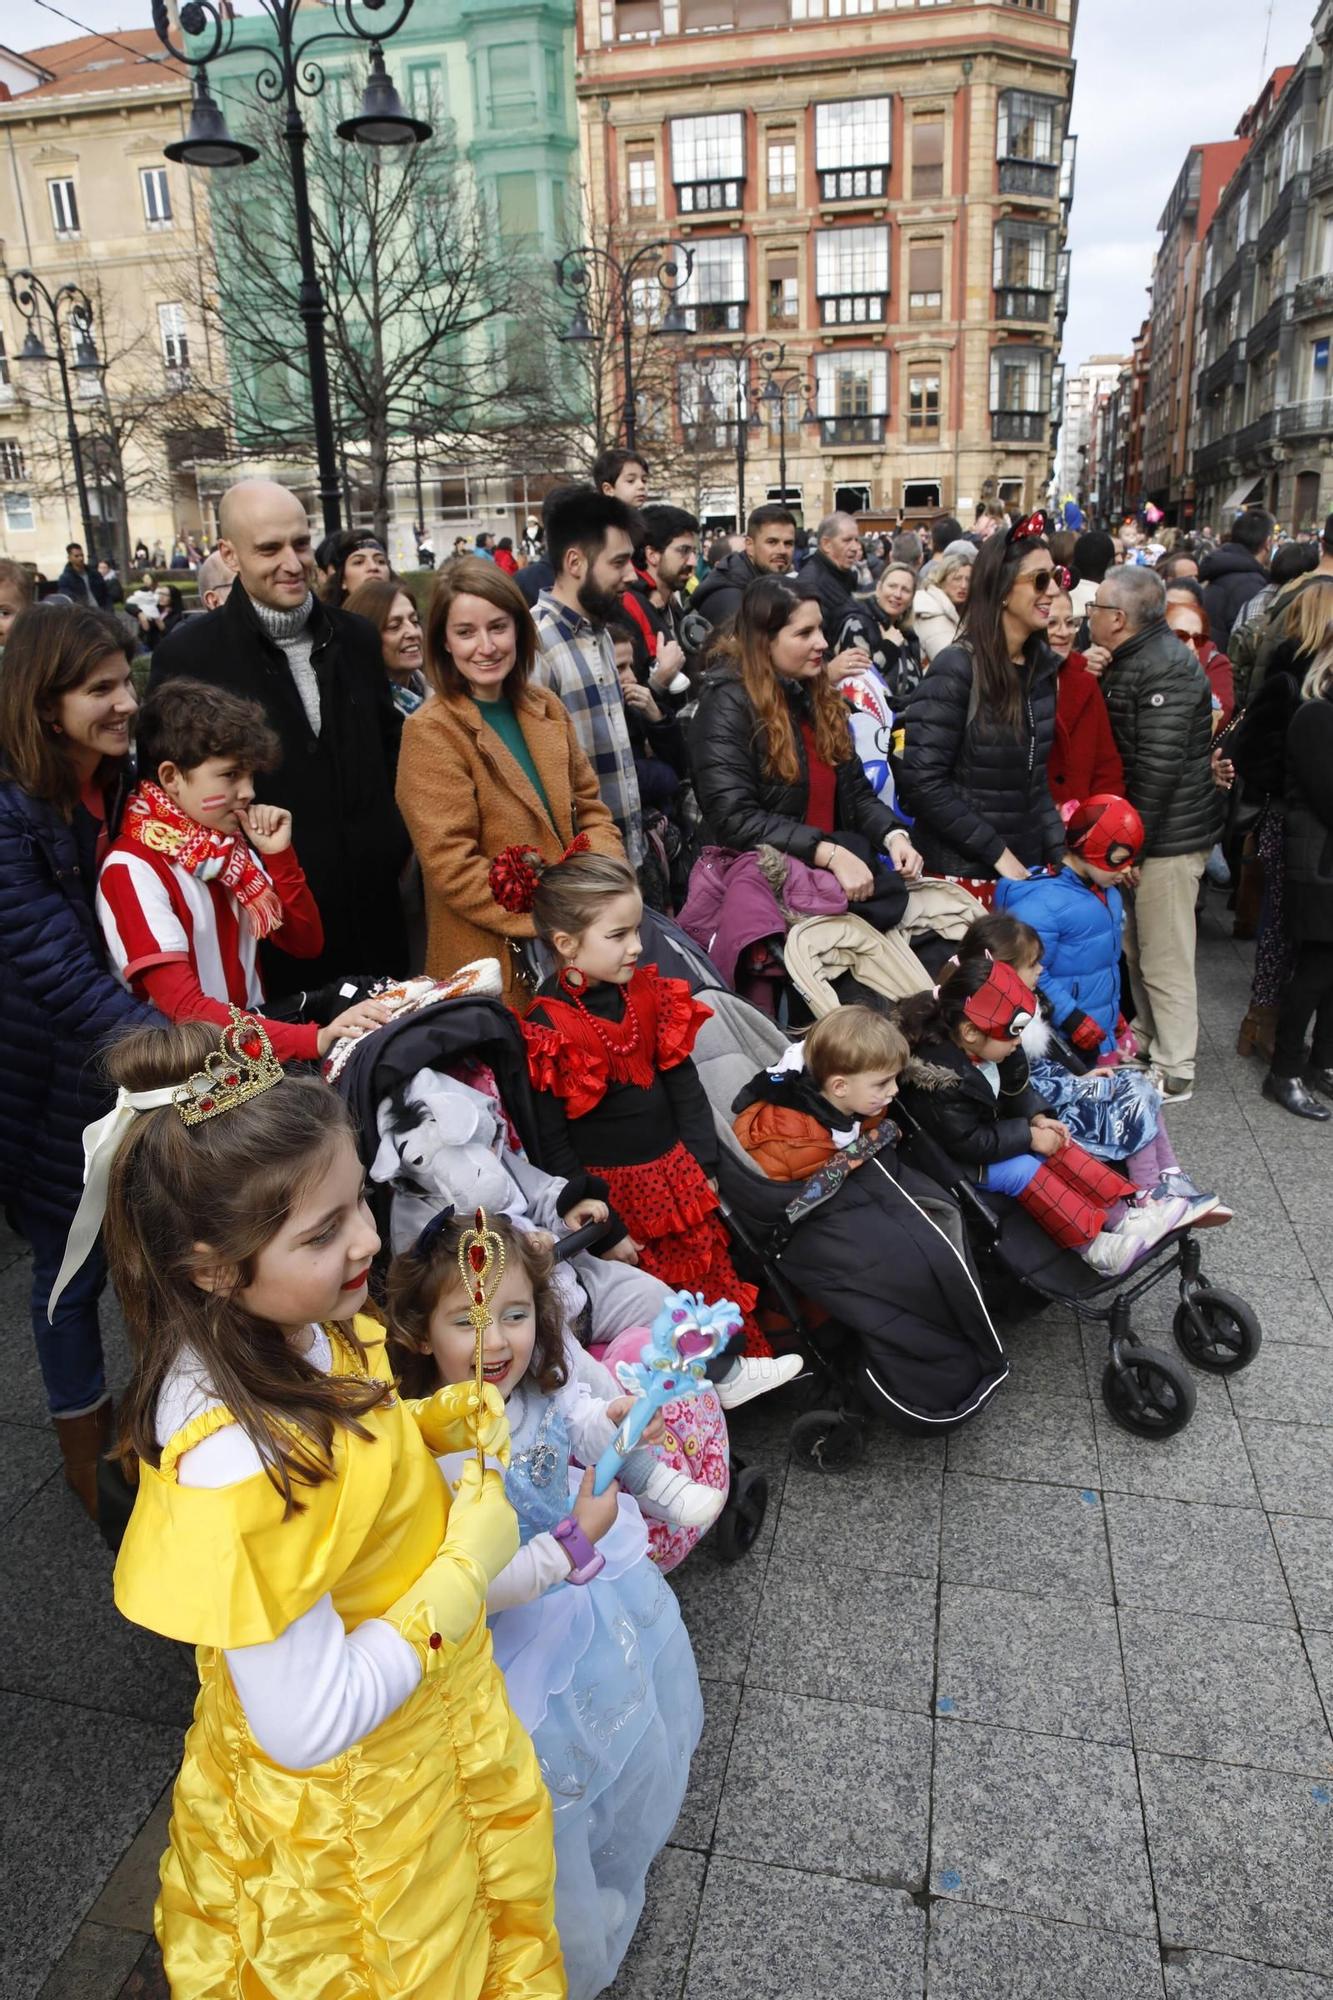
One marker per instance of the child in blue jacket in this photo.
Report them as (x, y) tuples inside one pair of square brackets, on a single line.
[(1062, 935)]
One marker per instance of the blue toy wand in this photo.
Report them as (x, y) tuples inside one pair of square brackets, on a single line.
[(662, 1374)]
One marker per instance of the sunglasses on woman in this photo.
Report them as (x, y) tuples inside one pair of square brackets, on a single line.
[(1042, 579)]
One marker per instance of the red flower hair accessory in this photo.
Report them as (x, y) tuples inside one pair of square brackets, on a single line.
[(1004, 1006), (513, 878)]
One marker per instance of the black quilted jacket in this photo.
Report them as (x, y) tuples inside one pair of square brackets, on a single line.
[(1308, 907), (1161, 712), (976, 785), (742, 806)]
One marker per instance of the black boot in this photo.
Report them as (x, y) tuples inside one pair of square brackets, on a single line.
[(1292, 1095), (1320, 1080)]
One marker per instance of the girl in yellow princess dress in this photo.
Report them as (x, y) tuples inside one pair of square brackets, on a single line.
[(358, 1812)]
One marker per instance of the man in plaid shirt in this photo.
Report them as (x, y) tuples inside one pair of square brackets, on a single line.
[(590, 543)]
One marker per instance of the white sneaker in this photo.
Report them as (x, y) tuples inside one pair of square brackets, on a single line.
[(1172, 1089), (756, 1375), (1207, 1211), (667, 1495), (1116, 1251)]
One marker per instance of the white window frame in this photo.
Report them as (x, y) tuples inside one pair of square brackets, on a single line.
[(782, 186), (155, 193), (852, 274), (64, 205), (641, 181), (16, 505), (708, 160), (173, 336), (1045, 114), (1036, 236), (720, 276), (1036, 388), (706, 395), (871, 362), (853, 147)]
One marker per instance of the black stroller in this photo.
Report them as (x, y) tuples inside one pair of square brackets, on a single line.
[(1145, 1389), (439, 1036), (870, 1268)]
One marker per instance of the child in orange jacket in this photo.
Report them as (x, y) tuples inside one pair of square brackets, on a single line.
[(832, 1087)]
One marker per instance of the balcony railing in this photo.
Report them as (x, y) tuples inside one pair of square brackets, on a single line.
[(852, 308), (1229, 367), (851, 430), (1211, 459), (1019, 426), (1307, 420), (1294, 195), (1030, 178), (706, 197), (1266, 329), (1313, 295), (853, 183), (1261, 432), (1321, 172), (1013, 302), (714, 317)]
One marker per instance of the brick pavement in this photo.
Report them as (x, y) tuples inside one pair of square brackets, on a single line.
[(1042, 1712)]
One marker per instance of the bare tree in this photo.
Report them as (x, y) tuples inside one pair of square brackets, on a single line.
[(419, 290)]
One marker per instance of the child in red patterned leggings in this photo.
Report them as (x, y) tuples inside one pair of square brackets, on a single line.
[(621, 1112)]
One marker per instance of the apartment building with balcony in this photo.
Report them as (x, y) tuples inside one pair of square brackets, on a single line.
[(87, 198), (1183, 225), (1263, 423), (1076, 462), (881, 188)]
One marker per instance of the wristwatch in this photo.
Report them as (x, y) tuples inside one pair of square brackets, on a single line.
[(584, 1560)]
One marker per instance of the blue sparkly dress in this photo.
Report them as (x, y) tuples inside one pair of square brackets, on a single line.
[(603, 1678)]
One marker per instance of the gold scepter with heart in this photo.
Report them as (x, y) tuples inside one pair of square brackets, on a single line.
[(481, 1263)]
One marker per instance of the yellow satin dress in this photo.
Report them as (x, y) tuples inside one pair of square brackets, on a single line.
[(419, 1862)]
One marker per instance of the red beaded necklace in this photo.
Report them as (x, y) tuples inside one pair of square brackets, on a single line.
[(619, 1049)]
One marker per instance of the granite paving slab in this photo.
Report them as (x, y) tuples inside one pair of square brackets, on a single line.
[(974, 1951), (874, 1643), (1217, 1561), (772, 1934), (1239, 1694), (1043, 1539), (1041, 1663)]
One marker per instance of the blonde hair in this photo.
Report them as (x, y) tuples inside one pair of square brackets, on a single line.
[(852, 1040), (1318, 683), (1308, 619)]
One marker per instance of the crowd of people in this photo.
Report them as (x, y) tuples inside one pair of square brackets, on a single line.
[(328, 783)]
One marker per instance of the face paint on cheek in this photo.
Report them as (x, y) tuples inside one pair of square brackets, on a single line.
[(209, 803)]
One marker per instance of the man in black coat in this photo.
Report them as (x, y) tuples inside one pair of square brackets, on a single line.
[(829, 576), (79, 583), (1236, 572), (319, 676), (770, 543), (1160, 704)]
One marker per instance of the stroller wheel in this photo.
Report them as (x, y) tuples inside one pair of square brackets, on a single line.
[(1147, 1393), (741, 1519), (1216, 1330), (828, 1440)]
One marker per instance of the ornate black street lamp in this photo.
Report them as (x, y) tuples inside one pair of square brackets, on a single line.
[(780, 382), (70, 305), (574, 273), (286, 75)]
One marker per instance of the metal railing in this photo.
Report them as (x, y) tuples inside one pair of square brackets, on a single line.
[(1313, 295), (1019, 426), (851, 430), (1268, 325), (1032, 178)]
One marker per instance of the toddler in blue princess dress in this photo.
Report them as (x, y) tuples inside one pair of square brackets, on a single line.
[(588, 1636)]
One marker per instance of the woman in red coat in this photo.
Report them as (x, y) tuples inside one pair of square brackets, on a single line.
[(1083, 759)]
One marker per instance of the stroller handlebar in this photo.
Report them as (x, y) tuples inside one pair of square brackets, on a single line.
[(581, 1239)]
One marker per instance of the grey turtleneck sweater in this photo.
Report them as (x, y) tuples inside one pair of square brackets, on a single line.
[(291, 631)]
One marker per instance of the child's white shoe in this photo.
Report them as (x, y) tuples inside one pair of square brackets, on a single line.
[(756, 1375), (1117, 1251), (667, 1495)]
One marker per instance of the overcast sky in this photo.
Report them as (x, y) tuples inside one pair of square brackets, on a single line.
[(1154, 77)]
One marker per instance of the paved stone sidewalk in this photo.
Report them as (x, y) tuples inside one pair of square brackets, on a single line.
[(1039, 1714)]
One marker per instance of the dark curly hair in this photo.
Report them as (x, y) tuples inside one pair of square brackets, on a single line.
[(419, 1278)]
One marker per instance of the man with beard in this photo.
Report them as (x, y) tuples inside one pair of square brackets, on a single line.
[(768, 548), (668, 550), (590, 544)]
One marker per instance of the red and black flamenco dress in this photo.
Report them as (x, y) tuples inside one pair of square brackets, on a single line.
[(622, 1116)]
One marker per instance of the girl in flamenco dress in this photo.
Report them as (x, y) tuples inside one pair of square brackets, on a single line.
[(621, 1112), (589, 1638)]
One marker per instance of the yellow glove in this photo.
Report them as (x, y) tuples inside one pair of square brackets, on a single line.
[(451, 1419), (444, 1603)]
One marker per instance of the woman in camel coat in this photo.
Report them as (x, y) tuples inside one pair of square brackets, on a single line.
[(488, 762)]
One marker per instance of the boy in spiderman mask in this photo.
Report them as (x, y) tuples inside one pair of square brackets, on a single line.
[(968, 1086), (1062, 935)]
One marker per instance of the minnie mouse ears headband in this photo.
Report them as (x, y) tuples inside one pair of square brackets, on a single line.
[(1032, 528), (516, 872)]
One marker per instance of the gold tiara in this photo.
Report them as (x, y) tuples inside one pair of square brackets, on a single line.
[(242, 1066)]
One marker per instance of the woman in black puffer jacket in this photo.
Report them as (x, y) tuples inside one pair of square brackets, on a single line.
[(977, 732), (772, 757)]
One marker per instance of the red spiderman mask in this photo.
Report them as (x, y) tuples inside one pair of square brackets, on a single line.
[(1106, 831), (1003, 1007)]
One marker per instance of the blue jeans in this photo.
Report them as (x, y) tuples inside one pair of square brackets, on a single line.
[(1011, 1176), (70, 1350)]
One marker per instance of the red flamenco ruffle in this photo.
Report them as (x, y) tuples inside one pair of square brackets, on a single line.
[(679, 1019), (671, 1212), (576, 1076)]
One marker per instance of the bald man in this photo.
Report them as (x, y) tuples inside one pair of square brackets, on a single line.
[(319, 676), (828, 574), (213, 581)]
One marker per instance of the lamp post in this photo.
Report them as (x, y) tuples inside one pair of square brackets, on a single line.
[(286, 75), (71, 303), (780, 381), (671, 263)]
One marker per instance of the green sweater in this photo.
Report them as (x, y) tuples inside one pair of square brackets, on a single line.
[(499, 715)]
